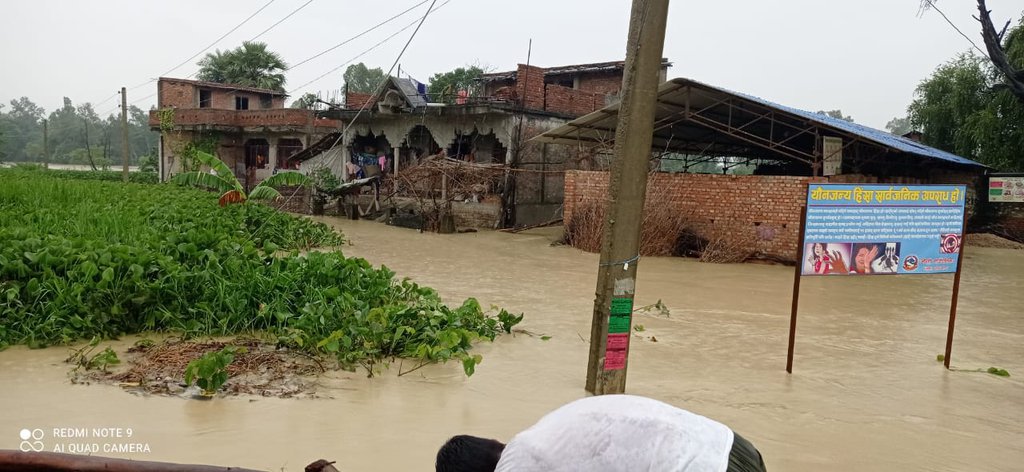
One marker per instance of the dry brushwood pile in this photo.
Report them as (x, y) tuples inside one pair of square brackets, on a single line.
[(158, 368), (665, 231), (437, 181)]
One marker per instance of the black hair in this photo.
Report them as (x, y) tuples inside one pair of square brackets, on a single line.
[(465, 453)]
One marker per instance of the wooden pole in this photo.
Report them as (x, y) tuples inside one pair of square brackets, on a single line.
[(46, 144), (124, 134), (616, 280), (956, 293), (796, 287)]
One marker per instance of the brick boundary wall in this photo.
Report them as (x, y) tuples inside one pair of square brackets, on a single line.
[(768, 206)]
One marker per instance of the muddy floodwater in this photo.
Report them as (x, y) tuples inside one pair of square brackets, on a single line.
[(866, 393)]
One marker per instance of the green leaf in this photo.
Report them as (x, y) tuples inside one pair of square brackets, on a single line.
[(285, 179), (263, 192), (203, 180)]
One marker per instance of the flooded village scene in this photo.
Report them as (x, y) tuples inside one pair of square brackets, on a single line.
[(453, 235)]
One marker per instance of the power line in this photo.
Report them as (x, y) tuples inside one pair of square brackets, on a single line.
[(336, 46), (932, 4), (371, 48), (324, 163), (143, 84), (281, 20), (186, 61), (375, 46), (105, 100), (378, 25)]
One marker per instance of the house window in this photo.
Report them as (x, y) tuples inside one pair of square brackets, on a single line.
[(266, 101), (205, 99), (241, 103)]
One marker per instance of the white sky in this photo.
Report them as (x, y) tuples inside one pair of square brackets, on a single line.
[(862, 56)]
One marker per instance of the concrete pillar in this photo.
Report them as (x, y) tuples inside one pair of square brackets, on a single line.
[(272, 153)]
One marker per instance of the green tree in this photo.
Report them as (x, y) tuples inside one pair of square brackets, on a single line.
[(222, 179), (249, 65), (899, 126), (959, 111), (838, 114), (445, 85), (22, 128), (359, 78), (307, 101)]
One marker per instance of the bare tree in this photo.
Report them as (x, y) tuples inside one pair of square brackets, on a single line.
[(993, 45)]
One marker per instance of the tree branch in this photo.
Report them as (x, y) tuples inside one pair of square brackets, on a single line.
[(997, 54)]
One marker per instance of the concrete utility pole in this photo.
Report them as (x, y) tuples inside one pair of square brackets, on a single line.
[(616, 280), (124, 134), (46, 144)]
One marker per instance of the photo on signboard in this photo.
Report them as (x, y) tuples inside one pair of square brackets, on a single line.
[(888, 259), (826, 258), (875, 258)]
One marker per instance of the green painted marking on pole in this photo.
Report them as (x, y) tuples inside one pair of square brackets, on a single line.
[(618, 324), (622, 306)]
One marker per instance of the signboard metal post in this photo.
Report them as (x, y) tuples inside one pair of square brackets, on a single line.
[(952, 304), (796, 292)]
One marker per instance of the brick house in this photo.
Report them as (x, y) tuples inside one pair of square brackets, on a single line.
[(491, 126), (248, 128)]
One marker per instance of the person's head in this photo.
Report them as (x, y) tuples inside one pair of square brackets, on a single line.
[(861, 259), (464, 453), (819, 249)]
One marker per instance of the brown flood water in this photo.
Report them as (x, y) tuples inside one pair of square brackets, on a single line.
[(866, 394)]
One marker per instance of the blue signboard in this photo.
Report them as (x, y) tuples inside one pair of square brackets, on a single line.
[(883, 229)]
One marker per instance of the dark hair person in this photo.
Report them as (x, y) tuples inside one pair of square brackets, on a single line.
[(468, 454)]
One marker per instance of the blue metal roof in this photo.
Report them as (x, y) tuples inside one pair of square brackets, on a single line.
[(898, 143)]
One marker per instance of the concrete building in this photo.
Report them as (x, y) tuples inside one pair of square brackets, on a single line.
[(492, 126), (248, 128)]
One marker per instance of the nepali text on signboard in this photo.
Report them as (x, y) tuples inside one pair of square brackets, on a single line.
[(883, 229), (1006, 189)]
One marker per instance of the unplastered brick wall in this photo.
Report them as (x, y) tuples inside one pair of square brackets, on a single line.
[(604, 84), (293, 199), (177, 95), (530, 86), (476, 214), (765, 208), (561, 99)]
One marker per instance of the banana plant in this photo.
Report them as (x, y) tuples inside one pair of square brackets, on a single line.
[(224, 181)]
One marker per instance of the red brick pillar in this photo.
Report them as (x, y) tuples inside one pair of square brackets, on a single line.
[(530, 86)]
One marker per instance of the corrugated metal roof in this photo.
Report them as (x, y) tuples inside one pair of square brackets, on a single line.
[(408, 88), (898, 143), (601, 122)]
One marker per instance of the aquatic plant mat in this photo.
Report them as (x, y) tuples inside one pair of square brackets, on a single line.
[(97, 260)]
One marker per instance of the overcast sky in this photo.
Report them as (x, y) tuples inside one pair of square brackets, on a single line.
[(862, 56)]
